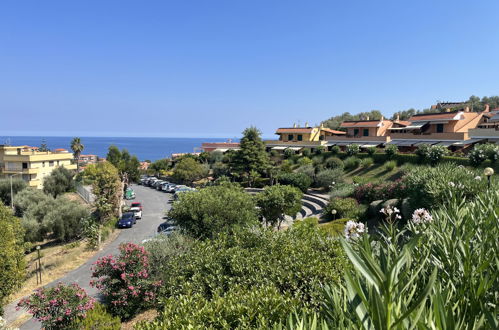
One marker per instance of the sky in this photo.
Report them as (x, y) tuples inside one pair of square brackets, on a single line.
[(212, 68)]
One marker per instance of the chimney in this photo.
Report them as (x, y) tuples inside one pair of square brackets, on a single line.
[(367, 117), (467, 109), (382, 118), (306, 124), (398, 118), (294, 125), (322, 125), (487, 108)]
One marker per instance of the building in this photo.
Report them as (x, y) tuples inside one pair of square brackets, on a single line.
[(32, 165), (488, 128), (449, 128), (297, 138), (219, 146), (144, 166), (366, 133), (88, 159)]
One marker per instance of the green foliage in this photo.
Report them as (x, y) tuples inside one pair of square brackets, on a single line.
[(252, 155), (481, 152), (352, 149), (329, 178), (66, 219), (215, 209), (432, 186), (391, 150), (17, 185), (98, 318), (334, 162), (127, 165), (188, 170), (371, 151), (12, 263), (77, 148), (277, 201), (220, 169), (431, 153), (345, 208), (390, 165), (295, 262), (58, 182), (239, 308), (320, 150), (342, 190), (107, 188), (160, 165), (304, 161), (335, 150), (298, 180), (306, 152), (351, 163), (366, 162), (288, 153), (27, 198)]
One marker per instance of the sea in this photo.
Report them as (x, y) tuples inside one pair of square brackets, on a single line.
[(145, 148)]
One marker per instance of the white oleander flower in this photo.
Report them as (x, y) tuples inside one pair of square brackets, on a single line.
[(452, 184), (421, 216), (354, 230), (478, 177)]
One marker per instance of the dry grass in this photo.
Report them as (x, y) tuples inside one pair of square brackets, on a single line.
[(57, 261), (148, 315)]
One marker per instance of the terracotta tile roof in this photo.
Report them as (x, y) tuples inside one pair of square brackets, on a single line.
[(443, 115), (294, 130), (333, 131), (220, 144), (360, 123)]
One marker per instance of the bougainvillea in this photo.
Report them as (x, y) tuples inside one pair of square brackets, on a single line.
[(124, 281), (366, 193), (58, 307)]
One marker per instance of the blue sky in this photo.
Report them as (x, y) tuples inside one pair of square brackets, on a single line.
[(212, 68)]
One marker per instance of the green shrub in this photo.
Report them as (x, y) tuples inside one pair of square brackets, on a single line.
[(352, 149), (390, 165), (391, 150), (342, 190), (335, 150), (277, 201), (345, 208), (206, 212), (334, 162), (304, 161), (334, 228), (98, 318), (371, 151), (351, 163), (17, 185), (328, 178), (432, 186), (12, 263), (240, 308), (298, 180), (306, 152), (288, 153), (366, 162), (58, 182), (320, 150), (481, 152)]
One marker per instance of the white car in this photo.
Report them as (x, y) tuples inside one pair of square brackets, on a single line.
[(137, 212), (164, 233)]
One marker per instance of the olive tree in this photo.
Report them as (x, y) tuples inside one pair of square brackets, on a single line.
[(277, 201)]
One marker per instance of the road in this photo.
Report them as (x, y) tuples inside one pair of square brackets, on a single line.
[(155, 204)]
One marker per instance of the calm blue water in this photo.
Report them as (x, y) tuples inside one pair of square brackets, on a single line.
[(144, 148)]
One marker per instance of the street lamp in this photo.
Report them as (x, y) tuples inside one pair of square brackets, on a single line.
[(488, 172), (333, 212), (12, 191)]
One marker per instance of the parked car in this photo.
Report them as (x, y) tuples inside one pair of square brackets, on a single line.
[(159, 186), (137, 212), (127, 220), (164, 185), (170, 188), (156, 183), (129, 194), (182, 191), (137, 204)]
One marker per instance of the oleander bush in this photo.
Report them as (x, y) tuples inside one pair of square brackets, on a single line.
[(369, 192), (329, 178), (345, 208), (482, 152), (391, 151), (58, 307), (352, 150)]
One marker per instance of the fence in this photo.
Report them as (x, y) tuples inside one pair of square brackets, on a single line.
[(86, 193)]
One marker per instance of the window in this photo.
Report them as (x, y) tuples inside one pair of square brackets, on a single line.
[(300, 137), (440, 128), (25, 165), (51, 163), (356, 132), (43, 164), (290, 137), (365, 132)]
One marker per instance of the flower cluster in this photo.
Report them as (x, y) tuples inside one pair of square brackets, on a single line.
[(354, 230), (421, 216), (124, 280), (391, 213), (58, 307), (366, 193)]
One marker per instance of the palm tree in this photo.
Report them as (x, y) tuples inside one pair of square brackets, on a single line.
[(77, 148)]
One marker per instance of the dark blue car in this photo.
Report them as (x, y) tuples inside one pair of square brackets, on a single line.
[(127, 220)]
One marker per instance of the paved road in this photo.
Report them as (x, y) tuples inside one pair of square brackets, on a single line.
[(155, 204)]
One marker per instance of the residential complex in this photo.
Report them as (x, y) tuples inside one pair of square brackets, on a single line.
[(32, 165), (219, 146), (297, 138)]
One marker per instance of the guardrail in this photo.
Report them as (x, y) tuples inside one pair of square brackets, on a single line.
[(85, 192)]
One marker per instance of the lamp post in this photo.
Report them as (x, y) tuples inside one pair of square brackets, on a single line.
[(488, 172), (39, 275), (333, 212), (12, 191)]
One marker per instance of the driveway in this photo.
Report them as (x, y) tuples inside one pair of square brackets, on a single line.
[(154, 203)]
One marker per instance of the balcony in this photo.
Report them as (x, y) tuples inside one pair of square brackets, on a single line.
[(312, 144), (490, 132), (16, 170)]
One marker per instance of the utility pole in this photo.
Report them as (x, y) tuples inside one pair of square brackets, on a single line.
[(12, 192)]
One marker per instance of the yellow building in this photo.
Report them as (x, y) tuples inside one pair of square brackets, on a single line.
[(297, 138), (32, 165)]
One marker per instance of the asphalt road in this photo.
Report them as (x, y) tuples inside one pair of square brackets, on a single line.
[(155, 204)]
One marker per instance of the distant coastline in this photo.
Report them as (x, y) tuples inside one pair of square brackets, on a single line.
[(145, 148)]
